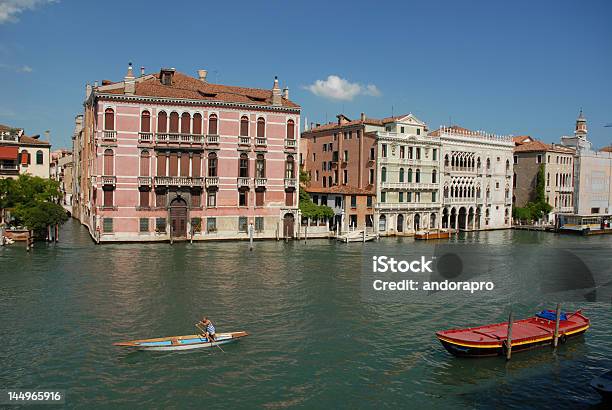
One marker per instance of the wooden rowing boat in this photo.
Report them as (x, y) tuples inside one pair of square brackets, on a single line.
[(433, 234), (603, 385), (181, 342), (490, 340)]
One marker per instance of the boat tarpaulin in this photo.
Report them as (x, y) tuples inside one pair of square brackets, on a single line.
[(8, 153), (551, 315)]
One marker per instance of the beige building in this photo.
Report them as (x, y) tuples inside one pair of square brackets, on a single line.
[(558, 163), (20, 154), (62, 171)]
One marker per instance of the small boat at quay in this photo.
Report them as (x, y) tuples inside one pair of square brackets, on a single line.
[(357, 236), (181, 342), (433, 234), (603, 385), (491, 340)]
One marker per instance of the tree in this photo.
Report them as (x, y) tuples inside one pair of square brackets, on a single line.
[(311, 210), (540, 207)]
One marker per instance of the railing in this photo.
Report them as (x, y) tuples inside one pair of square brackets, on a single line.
[(109, 135), (179, 181), (109, 180), (290, 182), (243, 181), (145, 137), (212, 181), (508, 201), (410, 185), (566, 209), (244, 141), (9, 167), (212, 139), (407, 205), (10, 138), (174, 138), (466, 200), (450, 168), (260, 182), (565, 189), (290, 143), (261, 142), (144, 181)]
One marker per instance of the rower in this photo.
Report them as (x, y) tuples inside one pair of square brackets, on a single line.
[(209, 328)]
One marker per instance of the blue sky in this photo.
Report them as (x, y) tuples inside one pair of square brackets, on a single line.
[(520, 67)]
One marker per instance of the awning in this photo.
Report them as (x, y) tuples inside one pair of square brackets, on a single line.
[(8, 153)]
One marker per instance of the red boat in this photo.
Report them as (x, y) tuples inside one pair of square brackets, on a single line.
[(490, 340)]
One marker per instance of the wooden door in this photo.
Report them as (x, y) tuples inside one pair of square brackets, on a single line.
[(178, 218)]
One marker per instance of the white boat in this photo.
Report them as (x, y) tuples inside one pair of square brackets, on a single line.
[(356, 236), (186, 342)]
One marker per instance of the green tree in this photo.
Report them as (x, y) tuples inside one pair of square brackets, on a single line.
[(311, 210), (538, 208)]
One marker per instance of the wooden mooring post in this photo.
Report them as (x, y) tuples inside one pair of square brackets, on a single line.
[(557, 318), (509, 338), (251, 237)]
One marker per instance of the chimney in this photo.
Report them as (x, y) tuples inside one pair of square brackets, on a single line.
[(286, 93), (142, 71), (202, 75), (362, 116), (166, 75), (276, 93), (130, 84)]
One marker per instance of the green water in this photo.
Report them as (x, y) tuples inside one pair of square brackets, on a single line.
[(315, 340)]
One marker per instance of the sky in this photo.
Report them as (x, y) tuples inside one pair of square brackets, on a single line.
[(519, 67)]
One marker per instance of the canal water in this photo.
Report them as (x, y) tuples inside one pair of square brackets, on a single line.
[(316, 338)]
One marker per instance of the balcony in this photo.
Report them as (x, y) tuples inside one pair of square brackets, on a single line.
[(145, 137), (565, 189), (109, 180), (9, 167), (174, 138), (419, 186), (9, 138), (407, 205), (212, 182), (508, 201), (566, 209), (212, 139), (179, 181), (244, 141), (290, 143), (290, 183), (109, 135), (243, 182), (261, 142), (261, 182), (466, 200), (144, 181)]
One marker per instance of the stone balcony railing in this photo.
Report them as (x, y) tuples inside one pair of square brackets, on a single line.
[(417, 186), (290, 183), (508, 201), (9, 167), (260, 182), (175, 138), (261, 142), (566, 209), (145, 137), (466, 200), (565, 189), (109, 180), (179, 181), (109, 135), (245, 141), (290, 143), (144, 181), (243, 182), (212, 181), (212, 139), (406, 205)]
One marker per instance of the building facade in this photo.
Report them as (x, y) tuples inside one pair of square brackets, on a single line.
[(20, 154), (558, 166), (477, 170), (167, 156), (62, 171)]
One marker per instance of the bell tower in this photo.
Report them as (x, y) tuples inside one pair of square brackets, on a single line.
[(581, 126)]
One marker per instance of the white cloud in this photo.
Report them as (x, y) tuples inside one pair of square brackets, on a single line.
[(10, 9), (15, 68), (340, 89), (25, 69)]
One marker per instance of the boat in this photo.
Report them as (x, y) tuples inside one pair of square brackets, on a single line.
[(433, 234), (603, 385), (186, 342), (491, 340), (356, 236)]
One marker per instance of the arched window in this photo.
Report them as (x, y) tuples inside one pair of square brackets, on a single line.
[(212, 124), (174, 122), (290, 167), (162, 122), (25, 157), (434, 176), (401, 175), (109, 119), (185, 123), (39, 157), (108, 162), (290, 130), (409, 174), (261, 127), (488, 164), (144, 163), (145, 121), (260, 166), (197, 123), (507, 165), (243, 166), (244, 126), (383, 174), (329, 181), (417, 176), (446, 160), (212, 164), (324, 182)]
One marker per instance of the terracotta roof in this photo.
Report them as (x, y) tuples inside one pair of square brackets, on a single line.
[(341, 189), (366, 121), (606, 149), (8, 128), (539, 146), (521, 139), (436, 133), (187, 87), (32, 141)]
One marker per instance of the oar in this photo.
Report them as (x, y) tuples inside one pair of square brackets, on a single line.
[(211, 343)]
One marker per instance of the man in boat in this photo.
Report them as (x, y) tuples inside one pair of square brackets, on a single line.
[(208, 327)]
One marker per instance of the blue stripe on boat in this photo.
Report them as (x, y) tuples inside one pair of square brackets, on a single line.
[(161, 343), (192, 341)]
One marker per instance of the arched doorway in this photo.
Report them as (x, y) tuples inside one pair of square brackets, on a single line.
[(462, 218), (417, 222), (288, 222), (432, 221), (178, 218), (445, 218), (400, 223), (453, 219), (470, 219), (382, 223), (478, 218)]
